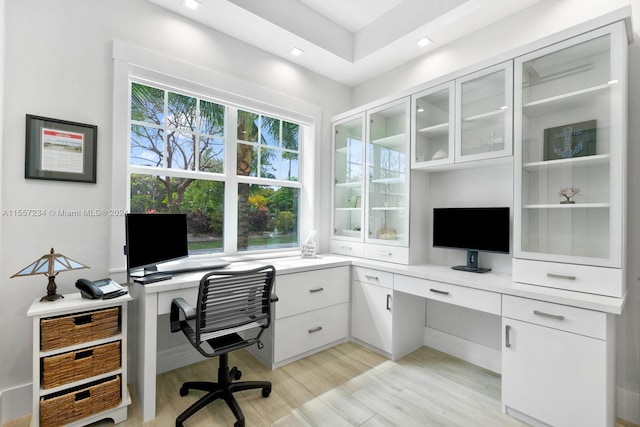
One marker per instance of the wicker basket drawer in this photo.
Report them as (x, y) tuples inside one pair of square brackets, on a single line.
[(80, 364), (78, 328), (72, 405)]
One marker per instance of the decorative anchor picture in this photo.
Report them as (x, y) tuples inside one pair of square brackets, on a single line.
[(573, 140)]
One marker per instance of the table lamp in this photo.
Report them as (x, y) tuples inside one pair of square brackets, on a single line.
[(50, 265)]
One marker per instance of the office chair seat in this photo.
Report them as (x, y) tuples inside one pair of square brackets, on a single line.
[(232, 312)]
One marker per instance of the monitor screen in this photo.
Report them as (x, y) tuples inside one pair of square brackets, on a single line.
[(476, 229), (155, 238)]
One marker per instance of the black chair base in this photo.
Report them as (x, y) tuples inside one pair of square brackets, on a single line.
[(223, 389)]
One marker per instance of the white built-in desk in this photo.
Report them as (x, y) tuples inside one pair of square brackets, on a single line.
[(489, 292)]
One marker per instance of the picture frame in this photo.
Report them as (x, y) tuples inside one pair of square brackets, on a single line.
[(569, 141), (60, 150)]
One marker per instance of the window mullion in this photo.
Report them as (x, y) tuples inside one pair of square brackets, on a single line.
[(231, 186)]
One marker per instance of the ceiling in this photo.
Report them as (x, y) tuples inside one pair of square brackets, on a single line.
[(349, 41)]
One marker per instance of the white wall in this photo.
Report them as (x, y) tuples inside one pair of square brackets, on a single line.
[(538, 21), (59, 64)]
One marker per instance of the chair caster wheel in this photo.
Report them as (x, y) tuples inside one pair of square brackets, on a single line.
[(183, 392), (237, 375), (266, 392), (238, 424)]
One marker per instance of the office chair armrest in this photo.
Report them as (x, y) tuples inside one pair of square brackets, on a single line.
[(180, 305), (274, 298)]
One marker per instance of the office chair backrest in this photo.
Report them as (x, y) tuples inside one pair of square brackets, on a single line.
[(234, 301)]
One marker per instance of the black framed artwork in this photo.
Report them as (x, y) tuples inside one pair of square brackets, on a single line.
[(60, 150), (571, 140)]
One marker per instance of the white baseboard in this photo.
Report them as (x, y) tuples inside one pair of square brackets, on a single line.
[(628, 405), (15, 402), (480, 355)]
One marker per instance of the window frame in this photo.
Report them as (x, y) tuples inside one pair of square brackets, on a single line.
[(142, 66)]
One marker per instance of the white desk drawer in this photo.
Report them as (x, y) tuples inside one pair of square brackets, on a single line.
[(164, 298), (571, 319), (374, 277), (397, 254), (476, 299), (298, 334), (345, 247), (310, 290), (572, 277)]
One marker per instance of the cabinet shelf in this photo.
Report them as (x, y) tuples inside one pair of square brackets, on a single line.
[(396, 180), (48, 391), (564, 102), (394, 142), (597, 159), (348, 209), (435, 130), (567, 206), (388, 208), (349, 184), (484, 115)]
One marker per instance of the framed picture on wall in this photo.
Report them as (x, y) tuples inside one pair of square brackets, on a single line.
[(572, 140), (60, 150)]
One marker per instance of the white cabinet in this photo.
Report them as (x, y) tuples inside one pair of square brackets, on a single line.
[(484, 113), (383, 320), (433, 137), (570, 157), (558, 364), (79, 361), (348, 182), (312, 313), (467, 119), (371, 185)]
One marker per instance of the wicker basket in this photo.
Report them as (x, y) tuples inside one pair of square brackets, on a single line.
[(80, 364), (81, 402), (78, 328)]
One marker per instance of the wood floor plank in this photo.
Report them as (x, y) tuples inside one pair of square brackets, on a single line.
[(346, 385)]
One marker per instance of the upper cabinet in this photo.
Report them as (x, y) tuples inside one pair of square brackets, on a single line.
[(348, 178), (433, 136), (466, 119), (371, 183), (484, 108), (570, 139), (387, 150)]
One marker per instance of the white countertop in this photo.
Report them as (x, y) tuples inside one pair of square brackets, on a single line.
[(491, 281)]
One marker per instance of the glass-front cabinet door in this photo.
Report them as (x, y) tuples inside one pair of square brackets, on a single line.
[(387, 161), (348, 178), (484, 108), (570, 149), (433, 134)]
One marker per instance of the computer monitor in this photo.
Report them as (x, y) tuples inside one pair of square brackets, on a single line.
[(152, 239), (474, 229)]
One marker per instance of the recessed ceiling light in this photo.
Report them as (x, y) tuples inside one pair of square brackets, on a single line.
[(424, 41), (296, 51), (191, 4)]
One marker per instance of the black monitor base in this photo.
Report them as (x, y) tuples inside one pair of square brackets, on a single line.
[(471, 269), (152, 278)]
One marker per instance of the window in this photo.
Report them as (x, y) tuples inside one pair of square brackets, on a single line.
[(191, 154)]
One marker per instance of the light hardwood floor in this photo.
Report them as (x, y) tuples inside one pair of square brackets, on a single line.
[(343, 386)]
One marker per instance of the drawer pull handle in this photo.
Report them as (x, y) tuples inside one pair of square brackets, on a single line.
[(83, 354), (346, 247), (560, 276), (385, 254), (82, 395), (551, 316), (376, 278), (507, 340), (316, 329), (314, 290), (389, 302), (438, 291), (83, 320)]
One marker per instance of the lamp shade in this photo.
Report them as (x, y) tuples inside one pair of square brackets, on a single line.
[(50, 265)]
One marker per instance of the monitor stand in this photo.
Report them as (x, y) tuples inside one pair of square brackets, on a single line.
[(472, 264), (151, 275)]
